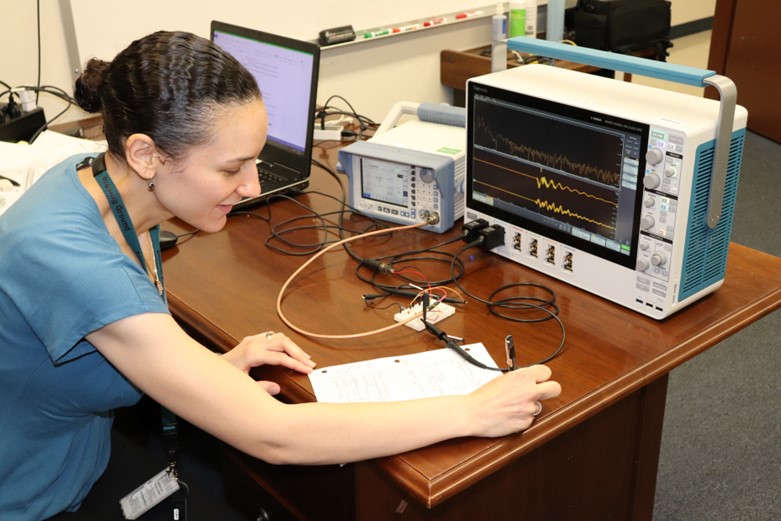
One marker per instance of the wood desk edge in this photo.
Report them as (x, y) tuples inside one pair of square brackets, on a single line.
[(496, 455), (500, 452)]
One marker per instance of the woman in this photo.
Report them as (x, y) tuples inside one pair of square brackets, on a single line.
[(85, 328)]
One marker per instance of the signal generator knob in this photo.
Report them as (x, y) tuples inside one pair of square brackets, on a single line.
[(427, 175)]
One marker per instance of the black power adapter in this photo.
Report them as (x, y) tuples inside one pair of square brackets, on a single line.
[(20, 125)]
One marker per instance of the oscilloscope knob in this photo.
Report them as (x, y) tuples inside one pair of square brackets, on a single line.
[(648, 202), (670, 171), (651, 181), (642, 265), (658, 259), (647, 222), (654, 156)]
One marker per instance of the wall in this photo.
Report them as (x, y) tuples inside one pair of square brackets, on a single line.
[(690, 10), (19, 52), (371, 76)]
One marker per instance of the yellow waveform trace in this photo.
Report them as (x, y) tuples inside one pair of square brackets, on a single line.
[(559, 209), (551, 207), (544, 182)]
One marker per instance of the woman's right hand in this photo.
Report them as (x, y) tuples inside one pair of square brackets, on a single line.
[(509, 404)]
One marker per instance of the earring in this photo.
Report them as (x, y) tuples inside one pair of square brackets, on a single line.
[(151, 185)]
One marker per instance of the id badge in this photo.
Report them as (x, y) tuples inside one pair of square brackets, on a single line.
[(151, 493)]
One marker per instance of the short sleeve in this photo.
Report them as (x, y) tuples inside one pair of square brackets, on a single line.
[(71, 277)]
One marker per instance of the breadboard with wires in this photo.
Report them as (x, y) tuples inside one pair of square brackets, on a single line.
[(435, 314)]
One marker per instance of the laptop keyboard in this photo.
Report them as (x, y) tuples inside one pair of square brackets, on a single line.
[(269, 180)]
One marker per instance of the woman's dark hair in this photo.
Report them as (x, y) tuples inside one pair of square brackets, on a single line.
[(166, 85)]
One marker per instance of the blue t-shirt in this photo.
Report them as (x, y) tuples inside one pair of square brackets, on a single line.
[(62, 276)]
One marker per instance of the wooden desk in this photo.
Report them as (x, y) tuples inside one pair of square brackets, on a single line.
[(90, 127), (591, 455), (458, 66)]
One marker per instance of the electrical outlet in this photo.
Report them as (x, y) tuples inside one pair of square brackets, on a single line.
[(439, 312)]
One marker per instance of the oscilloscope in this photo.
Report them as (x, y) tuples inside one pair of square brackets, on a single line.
[(623, 190)]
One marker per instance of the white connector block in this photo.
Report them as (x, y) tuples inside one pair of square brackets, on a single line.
[(330, 132), (436, 314), (27, 97)]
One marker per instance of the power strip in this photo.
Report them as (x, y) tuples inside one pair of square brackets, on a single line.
[(329, 133), (439, 312)]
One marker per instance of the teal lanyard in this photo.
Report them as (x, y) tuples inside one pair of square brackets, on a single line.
[(126, 225), (129, 232)]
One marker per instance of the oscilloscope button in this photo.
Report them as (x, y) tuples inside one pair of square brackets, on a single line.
[(654, 156), (647, 222), (651, 181)]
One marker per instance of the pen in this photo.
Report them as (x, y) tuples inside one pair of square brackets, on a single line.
[(372, 34), (405, 28), (434, 21), (470, 14), (509, 347)]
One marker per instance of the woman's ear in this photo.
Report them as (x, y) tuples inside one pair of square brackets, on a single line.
[(140, 152)]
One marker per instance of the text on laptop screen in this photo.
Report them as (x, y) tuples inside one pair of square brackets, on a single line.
[(284, 76)]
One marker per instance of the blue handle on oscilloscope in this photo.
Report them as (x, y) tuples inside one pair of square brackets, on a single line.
[(610, 60), (663, 71)]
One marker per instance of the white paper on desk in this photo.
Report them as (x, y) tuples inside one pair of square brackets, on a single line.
[(432, 373), (25, 163)]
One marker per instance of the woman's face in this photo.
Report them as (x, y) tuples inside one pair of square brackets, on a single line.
[(202, 187)]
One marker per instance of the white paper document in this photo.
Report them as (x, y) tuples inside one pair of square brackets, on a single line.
[(440, 372), (24, 164)]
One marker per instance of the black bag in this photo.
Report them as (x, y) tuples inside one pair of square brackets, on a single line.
[(623, 25)]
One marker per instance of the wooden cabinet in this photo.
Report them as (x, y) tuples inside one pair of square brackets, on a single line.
[(745, 48), (458, 66)]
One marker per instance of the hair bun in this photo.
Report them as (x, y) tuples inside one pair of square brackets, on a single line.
[(89, 85)]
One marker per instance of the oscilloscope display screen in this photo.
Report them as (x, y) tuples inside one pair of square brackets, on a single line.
[(567, 173)]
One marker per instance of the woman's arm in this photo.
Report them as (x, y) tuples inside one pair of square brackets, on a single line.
[(211, 392)]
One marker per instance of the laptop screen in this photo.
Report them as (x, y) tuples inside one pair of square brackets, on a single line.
[(286, 71)]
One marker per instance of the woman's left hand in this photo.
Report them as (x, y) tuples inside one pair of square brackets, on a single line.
[(269, 348)]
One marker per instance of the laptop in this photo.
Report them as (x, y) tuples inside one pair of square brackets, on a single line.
[(286, 71)]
